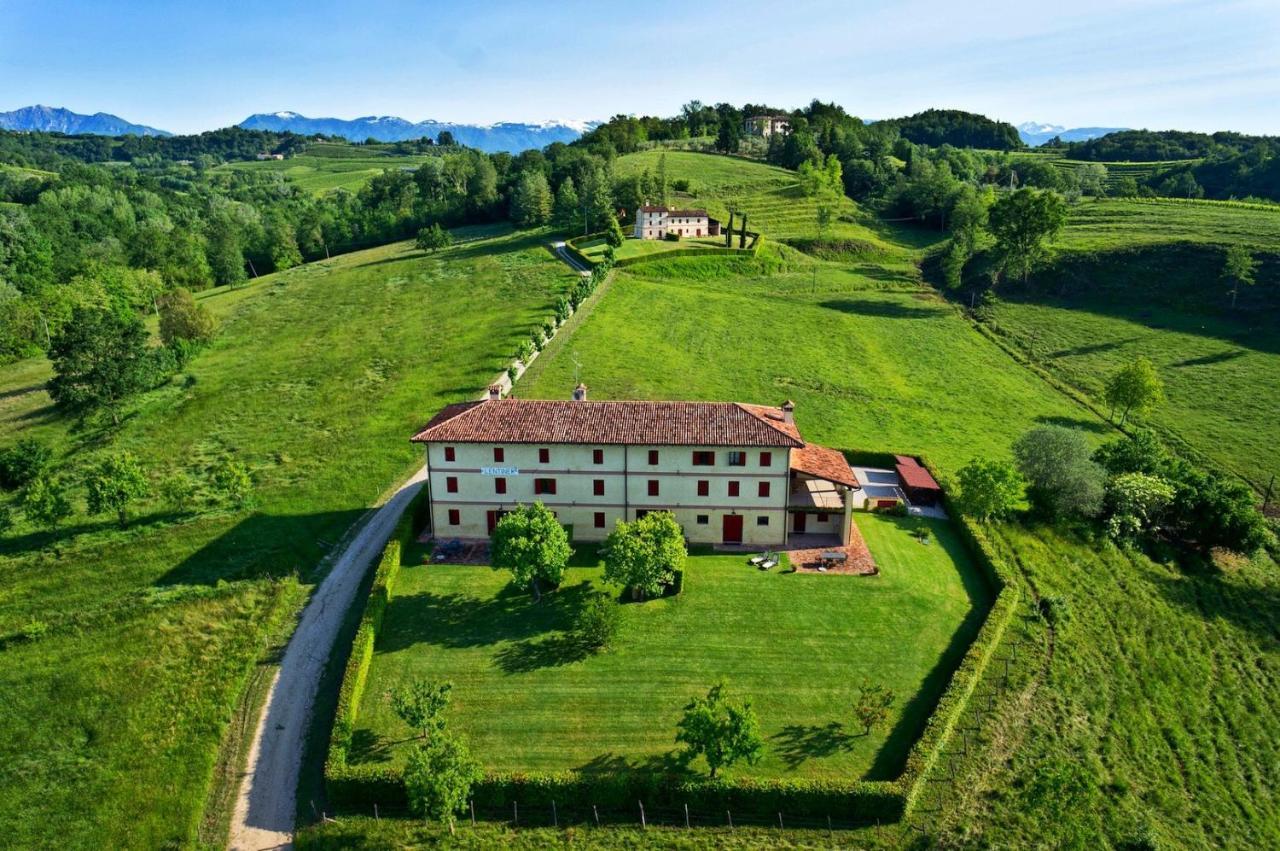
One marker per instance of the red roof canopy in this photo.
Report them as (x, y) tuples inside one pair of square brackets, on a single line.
[(916, 477)]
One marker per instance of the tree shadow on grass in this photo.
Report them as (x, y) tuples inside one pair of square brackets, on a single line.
[(886, 308), (1092, 348), (458, 620), (671, 764), (1095, 426), (1252, 607), (522, 657), (1210, 360), (798, 743)]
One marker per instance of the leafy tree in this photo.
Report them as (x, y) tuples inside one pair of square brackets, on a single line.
[(1022, 223), (729, 136), (99, 360), (433, 238), (597, 623), (1135, 502), (232, 481), (45, 501), (989, 489), (181, 318), (1239, 268), (114, 483), (1141, 452), (566, 210), (1062, 478), (645, 554), (660, 182), (721, 731), (421, 704), (22, 462), (438, 777), (1210, 511), (225, 251), (1134, 389), (531, 201), (872, 705), (1093, 179), (532, 544)]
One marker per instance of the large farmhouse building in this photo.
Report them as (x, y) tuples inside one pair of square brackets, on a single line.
[(731, 473), (657, 222), (765, 125)]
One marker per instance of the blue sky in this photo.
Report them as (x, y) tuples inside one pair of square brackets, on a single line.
[(188, 66)]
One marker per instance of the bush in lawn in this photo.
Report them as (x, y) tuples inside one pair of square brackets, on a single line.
[(178, 490), (525, 351), (645, 554), (421, 703), (989, 489), (872, 705), (721, 731), (613, 235), (182, 319), (22, 462), (231, 480), (671, 236), (532, 544), (433, 238), (114, 483), (438, 777), (1063, 480), (1135, 503), (45, 501), (597, 624)]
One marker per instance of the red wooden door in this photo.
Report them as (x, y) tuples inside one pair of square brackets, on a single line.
[(797, 525), (733, 529), (492, 518)]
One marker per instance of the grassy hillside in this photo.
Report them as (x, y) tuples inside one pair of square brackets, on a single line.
[(1107, 223), (137, 643), (324, 167)]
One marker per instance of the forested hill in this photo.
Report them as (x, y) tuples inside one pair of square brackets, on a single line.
[(1160, 145), (960, 129)]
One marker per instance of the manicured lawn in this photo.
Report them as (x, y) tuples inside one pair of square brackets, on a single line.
[(647, 247), (795, 644), (114, 713)]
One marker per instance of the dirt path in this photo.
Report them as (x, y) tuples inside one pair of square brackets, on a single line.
[(265, 805)]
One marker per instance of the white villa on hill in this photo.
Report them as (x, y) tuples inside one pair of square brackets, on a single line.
[(765, 125), (657, 222), (731, 473)]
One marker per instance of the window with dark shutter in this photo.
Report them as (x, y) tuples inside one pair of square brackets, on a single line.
[(451, 484), (544, 486), (499, 485), (653, 487), (704, 487), (653, 456), (448, 453), (733, 488), (762, 520), (703, 458), (737, 459), (597, 456), (597, 487), (455, 518), (498, 455), (766, 459), (764, 489), (599, 518), (544, 456)]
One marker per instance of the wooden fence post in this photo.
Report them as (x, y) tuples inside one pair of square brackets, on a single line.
[(643, 824)]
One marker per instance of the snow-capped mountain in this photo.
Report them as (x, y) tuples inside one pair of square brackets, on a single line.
[(504, 136), (53, 119), (1035, 133)]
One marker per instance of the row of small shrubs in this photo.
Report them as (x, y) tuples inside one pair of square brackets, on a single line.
[(565, 307), (689, 252)]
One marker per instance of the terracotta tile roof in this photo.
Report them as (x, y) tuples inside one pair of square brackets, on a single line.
[(824, 463), (915, 476), (655, 423), (671, 212)]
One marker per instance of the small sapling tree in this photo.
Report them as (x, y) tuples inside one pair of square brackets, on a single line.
[(232, 481), (989, 489), (45, 501), (871, 707), (433, 238), (421, 703), (597, 624), (438, 777), (114, 483), (1239, 268), (22, 462), (532, 544), (1135, 388), (720, 730)]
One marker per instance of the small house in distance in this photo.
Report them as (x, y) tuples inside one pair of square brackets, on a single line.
[(765, 125), (270, 156), (657, 222)]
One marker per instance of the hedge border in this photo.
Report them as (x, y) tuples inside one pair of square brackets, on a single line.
[(858, 801), (581, 257)]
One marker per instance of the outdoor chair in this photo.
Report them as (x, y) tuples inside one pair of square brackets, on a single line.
[(755, 560)]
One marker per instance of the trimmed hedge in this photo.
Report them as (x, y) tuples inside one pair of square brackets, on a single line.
[(689, 252), (362, 786), (357, 669)]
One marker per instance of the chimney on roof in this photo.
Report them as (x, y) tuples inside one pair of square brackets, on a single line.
[(788, 411), (495, 392), (580, 392)]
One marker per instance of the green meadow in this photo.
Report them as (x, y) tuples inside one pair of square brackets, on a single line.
[(324, 167), (795, 644), (125, 652)]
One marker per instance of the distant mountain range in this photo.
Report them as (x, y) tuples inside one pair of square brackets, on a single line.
[(54, 119), (504, 136), (1034, 133)]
